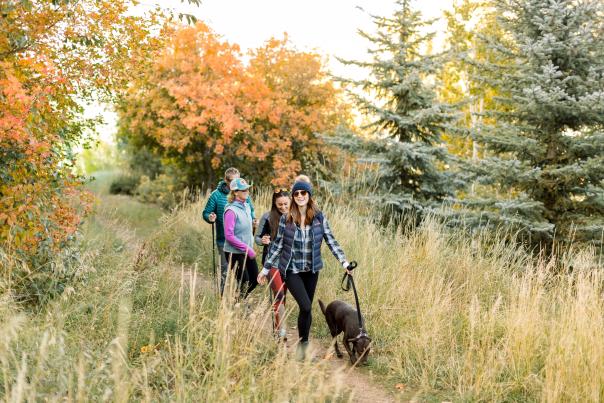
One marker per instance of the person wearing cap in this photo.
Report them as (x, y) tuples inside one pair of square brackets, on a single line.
[(213, 212), (239, 237), (296, 253)]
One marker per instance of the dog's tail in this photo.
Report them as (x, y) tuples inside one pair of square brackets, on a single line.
[(322, 306)]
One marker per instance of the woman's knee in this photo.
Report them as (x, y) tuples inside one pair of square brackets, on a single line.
[(305, 309)]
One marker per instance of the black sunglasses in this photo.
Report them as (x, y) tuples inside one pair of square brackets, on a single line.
[(300, 192)]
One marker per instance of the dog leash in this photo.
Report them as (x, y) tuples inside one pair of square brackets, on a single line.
[(347, 283)]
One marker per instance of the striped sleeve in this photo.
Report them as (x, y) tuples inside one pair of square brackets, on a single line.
[(275, 250), (332, 243)]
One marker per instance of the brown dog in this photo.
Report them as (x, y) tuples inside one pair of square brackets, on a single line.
[(341, 317)]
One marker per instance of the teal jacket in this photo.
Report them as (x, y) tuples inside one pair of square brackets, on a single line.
[(216, 204)]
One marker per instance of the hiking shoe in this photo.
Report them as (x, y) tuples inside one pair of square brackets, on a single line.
[(301, 350), (282, 335)]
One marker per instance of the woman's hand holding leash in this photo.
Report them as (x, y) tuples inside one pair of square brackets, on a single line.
[(349, 267)]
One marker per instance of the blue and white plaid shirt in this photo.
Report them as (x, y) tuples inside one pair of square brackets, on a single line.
[(302, 248)]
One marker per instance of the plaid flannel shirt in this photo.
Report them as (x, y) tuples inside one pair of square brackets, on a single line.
[(302, 248)]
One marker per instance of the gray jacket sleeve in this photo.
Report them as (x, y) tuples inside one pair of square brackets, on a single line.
[(261, 224)]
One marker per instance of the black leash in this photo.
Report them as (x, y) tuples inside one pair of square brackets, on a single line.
[(347, 283)]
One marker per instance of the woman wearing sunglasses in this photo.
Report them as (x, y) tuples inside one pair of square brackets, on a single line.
[(296, 253), (238, 234), (266, 232)]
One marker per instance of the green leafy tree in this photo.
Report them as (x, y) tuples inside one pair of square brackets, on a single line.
[(545, 140), (467, 22)]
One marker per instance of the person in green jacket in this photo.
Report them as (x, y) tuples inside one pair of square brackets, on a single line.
[(214, 212)]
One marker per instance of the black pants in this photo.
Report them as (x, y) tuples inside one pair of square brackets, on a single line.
[(302, 287), (246, 276)]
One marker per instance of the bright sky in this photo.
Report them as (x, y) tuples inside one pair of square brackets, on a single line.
[(328, 27)]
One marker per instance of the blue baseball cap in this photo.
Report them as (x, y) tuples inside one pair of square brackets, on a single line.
[(239, 184)]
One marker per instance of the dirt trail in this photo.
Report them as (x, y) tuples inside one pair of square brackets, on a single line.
[(364, 388)]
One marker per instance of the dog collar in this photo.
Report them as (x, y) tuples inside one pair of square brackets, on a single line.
[(362, 335)]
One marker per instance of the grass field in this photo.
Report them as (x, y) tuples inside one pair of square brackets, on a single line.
[(452, 318)]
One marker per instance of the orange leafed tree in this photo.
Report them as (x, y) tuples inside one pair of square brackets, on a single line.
[(202, 106), (304, 103), (54, 55), (40, 198)]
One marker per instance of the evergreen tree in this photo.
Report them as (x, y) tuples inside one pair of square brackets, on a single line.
[(405, 114), (546, 141)]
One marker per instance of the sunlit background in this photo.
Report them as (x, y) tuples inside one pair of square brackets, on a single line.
[(327, 27)]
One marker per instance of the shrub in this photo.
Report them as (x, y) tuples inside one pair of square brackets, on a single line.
[(35, 279), (124, 184), (102, 156), (163, 190), (143, 161)]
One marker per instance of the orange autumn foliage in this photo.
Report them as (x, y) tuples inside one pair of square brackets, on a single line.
[(55, 55), (40, 201), (204, 106)]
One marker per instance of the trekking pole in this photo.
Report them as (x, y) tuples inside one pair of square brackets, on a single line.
[(271, 302), (214, 259), (350, 283)]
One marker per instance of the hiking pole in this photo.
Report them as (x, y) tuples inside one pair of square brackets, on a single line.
[(350, 283), (214, 259), (271, 301)]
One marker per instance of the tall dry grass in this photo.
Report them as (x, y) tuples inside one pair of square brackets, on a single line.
[(474, 318), (143, 323), (454, 317)]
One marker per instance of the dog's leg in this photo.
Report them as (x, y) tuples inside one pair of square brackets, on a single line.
[(333, 327), (338, 352), (333, 330), (351, 353)]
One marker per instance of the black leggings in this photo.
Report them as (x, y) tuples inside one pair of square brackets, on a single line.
[(246, 278), (302, 287)]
